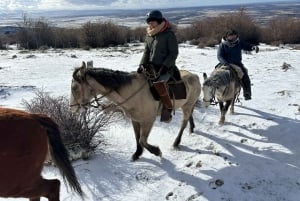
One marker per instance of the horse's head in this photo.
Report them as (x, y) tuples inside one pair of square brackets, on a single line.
[(208, 92), (81, 91)]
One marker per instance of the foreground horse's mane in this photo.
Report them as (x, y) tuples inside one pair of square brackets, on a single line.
[(113, 79), (219, 77)]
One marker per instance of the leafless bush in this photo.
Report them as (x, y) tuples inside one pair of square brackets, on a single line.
[(34, 33), (66, 37), (81, 133), (282, 30), (137, 34), (103, 34), (209, 31)]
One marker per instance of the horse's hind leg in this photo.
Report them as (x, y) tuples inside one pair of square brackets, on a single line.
[(232, 105), (45, 188), (139, 148), (192, 124)]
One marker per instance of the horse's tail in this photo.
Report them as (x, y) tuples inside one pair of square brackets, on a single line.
[(59, 153)]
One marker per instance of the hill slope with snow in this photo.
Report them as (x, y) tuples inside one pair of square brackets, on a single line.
[(253, 157)]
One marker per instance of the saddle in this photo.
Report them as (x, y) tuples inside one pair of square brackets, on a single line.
[(176, 87), (236, 69)]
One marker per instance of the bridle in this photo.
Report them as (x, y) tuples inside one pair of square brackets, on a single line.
[(95, 102), (212, 101)]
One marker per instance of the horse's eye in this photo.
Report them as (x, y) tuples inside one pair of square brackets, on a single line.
[(75, 88)]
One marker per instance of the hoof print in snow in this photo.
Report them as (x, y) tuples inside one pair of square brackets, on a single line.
[(189, 164), (194, 196), (199, 164), (246, 186), (142, 176), (243, 140), (217, 183), (169, 195)]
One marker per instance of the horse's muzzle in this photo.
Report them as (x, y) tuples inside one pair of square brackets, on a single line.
[(78, 108)]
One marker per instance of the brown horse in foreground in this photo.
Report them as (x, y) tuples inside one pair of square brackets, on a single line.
[(24, 143), (131, 92)]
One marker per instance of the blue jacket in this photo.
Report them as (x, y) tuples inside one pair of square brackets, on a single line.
[(232, 52)]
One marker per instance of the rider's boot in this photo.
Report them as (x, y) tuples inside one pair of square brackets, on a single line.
[(246, 84), (161, 88)]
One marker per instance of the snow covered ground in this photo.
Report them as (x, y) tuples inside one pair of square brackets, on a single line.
[(253, 157)]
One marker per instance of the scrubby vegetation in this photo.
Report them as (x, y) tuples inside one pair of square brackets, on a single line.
[(37, 33), (81, 132)]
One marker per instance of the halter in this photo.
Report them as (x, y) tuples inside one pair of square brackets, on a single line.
[(96, 99), (212, 101)]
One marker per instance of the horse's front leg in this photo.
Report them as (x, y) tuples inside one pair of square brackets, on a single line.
[(139, 148), (224, 111), (222, 118), (187, 116), (145, 129), (232, 105)]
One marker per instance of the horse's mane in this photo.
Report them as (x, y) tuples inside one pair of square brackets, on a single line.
[(112, 79), (219, 77)]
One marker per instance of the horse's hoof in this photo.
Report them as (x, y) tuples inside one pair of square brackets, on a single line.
[(221, 123), (159, 153), (134, 158), (176, 147)]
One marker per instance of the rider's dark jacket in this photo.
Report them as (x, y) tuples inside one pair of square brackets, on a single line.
[(161, 49), (231, 52)]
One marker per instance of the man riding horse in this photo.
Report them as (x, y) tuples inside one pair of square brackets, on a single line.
[(161, 50), (230, 52)]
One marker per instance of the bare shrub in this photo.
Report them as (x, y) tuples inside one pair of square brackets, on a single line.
[(209, 31), (34, 33), (103, 34), (81, 133), (66, 38), (282, 30), (137, 34)]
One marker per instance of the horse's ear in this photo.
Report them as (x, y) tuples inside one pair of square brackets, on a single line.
[(83, 68), (204, 76), (83, 65), (89, 64)]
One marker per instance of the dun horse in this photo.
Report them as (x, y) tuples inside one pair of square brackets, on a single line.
[(24, 143), (223, 85), (130, 91)]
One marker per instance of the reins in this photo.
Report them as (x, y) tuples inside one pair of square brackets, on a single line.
[(98, 99)]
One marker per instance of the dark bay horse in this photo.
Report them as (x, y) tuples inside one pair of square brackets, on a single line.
[(222, 86), (24, 143), (131, 92)]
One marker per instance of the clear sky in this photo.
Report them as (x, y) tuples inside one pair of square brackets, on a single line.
[(115, 4)]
